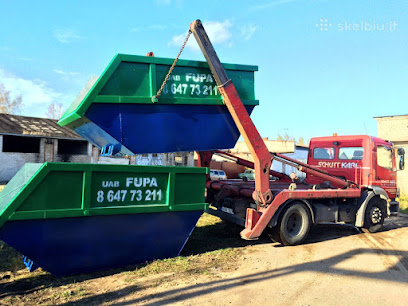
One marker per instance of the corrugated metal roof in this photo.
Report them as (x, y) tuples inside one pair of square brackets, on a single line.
[(31, 126)]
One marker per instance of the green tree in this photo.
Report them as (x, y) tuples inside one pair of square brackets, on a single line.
[(9, 105)]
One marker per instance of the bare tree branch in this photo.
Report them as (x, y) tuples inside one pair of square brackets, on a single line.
[(8, 105), (55, 111)]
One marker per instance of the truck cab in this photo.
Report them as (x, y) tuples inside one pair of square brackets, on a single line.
[(368, 161)]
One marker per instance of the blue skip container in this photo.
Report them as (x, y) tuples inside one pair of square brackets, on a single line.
[(117, 110)]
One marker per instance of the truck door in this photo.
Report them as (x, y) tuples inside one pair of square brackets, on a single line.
[(385, 174)]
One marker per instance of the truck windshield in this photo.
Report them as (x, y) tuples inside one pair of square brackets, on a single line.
[(323, 153), (354, 153), (384, 157)]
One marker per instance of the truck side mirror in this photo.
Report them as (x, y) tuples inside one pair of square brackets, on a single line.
[(401, 154)]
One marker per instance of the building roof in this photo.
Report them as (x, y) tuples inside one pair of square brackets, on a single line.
[(31, 126), (390, 116), (275, 146)]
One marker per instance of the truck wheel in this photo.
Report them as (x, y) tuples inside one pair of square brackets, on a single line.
[(374, 215), (294, 224), (245, 179), (274, 234)]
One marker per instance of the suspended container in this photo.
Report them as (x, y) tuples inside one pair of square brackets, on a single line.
[(77, 218), (117, 112)]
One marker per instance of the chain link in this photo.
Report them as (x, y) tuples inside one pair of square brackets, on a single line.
[(157, 96)]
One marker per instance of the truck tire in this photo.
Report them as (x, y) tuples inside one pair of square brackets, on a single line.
[(293, 225), (374, 215), (274, 234), (245, 179)]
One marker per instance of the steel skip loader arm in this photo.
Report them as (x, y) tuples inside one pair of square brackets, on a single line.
[(262, 160), (338, 182), (249, 164)]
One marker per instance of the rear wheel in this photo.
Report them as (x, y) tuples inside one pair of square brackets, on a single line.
[(245, 179), (374, 215), (293, 225), (274, 234)]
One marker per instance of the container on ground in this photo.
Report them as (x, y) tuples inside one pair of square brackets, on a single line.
[(77, 218)]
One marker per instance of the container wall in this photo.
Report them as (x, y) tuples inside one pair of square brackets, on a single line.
[(189, 115)]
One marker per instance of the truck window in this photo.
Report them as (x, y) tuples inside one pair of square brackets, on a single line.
[(323, 153), (351, 153), (384, 157)]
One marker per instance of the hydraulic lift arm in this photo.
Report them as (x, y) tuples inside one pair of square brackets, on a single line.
[(249, 164), (262, 159)]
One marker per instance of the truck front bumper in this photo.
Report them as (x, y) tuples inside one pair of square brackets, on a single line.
[(393, 207)]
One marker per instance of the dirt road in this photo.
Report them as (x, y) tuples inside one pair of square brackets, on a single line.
[(336, 266)]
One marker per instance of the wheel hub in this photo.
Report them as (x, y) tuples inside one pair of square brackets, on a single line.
[(376, 215), (294, 224)]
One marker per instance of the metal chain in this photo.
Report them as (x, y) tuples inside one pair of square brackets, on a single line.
[(157, 96)]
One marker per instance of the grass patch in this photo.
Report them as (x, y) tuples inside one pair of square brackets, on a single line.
[(66, 294), (211, 247), (80, 291), (403, 205), (220, 260), (212, 233), (10, 259)]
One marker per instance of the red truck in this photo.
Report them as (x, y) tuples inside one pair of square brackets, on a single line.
[(349, 179)]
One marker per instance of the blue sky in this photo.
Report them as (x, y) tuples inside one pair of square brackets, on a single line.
[(325, 66)]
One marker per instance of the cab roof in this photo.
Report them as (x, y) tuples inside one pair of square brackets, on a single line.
[(348, 138)]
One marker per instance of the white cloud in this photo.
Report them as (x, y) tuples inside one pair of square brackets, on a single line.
[(65, 35), (247, 31), (36, 94), (218, 32), (271, 4), (65, 73)]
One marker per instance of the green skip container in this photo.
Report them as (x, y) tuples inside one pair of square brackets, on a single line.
[(78, 218), (118, 115)]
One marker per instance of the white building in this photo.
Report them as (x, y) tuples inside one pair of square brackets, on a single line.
[(395, 129), (38, 140)]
